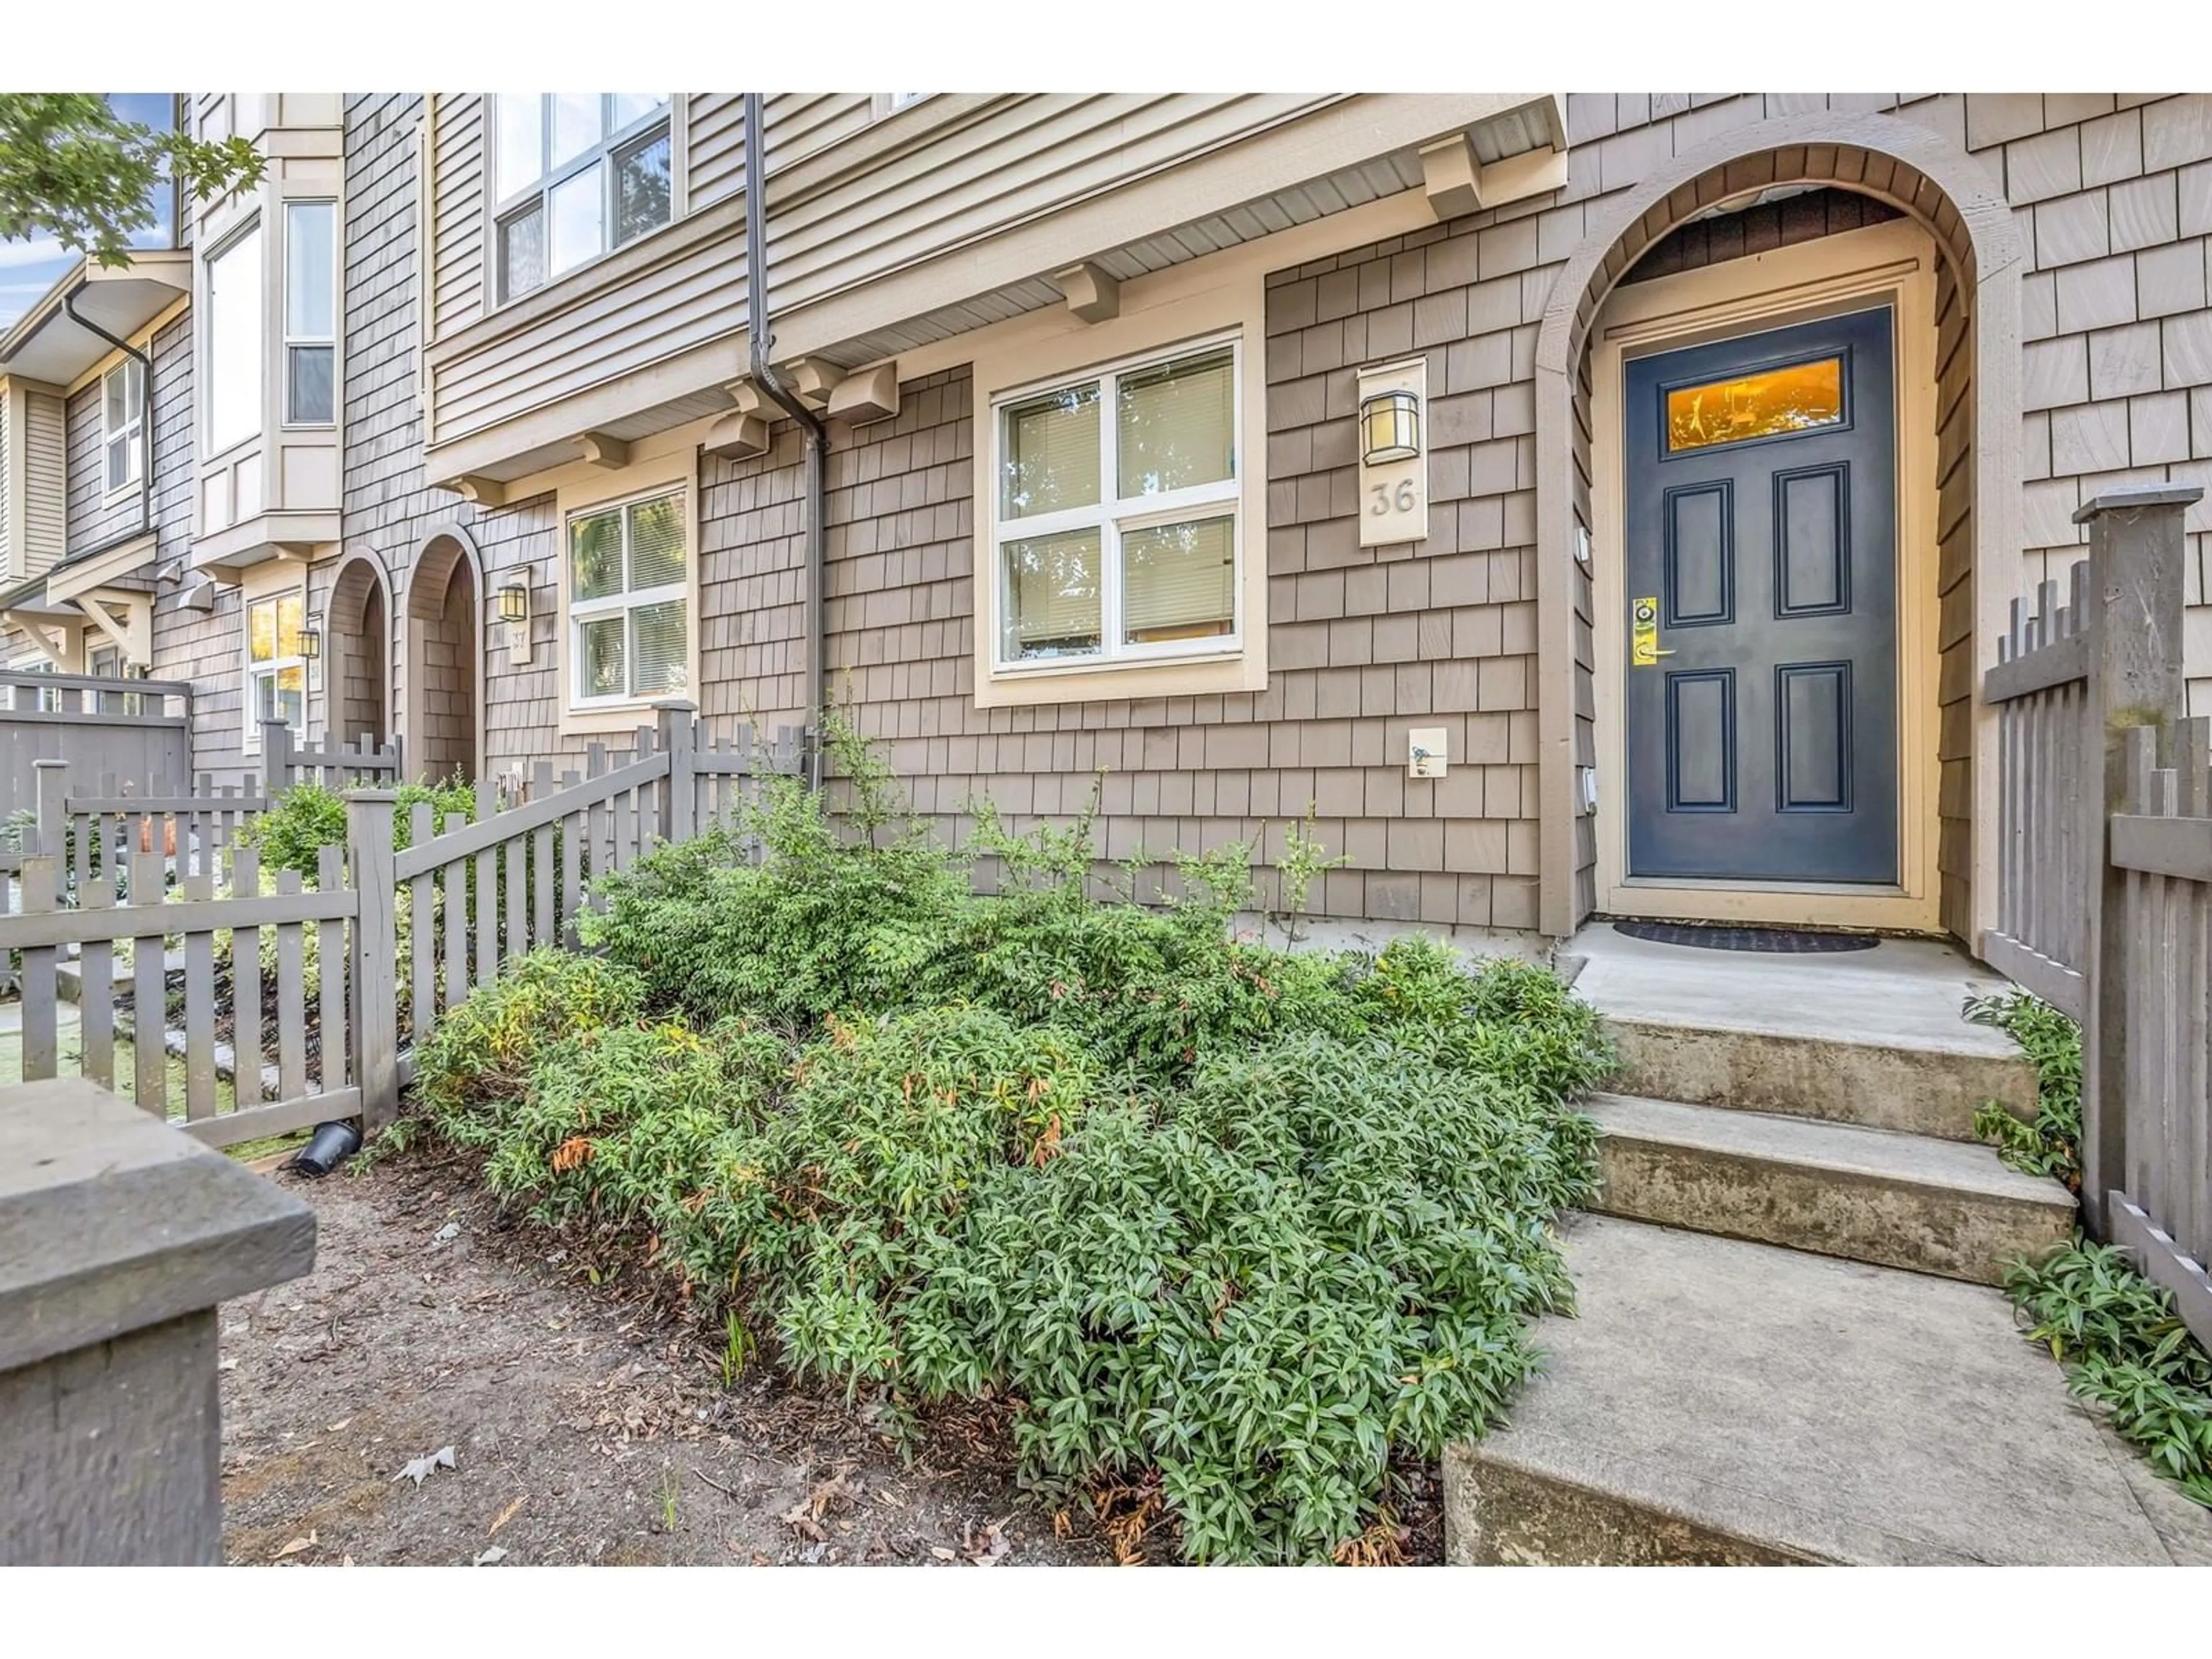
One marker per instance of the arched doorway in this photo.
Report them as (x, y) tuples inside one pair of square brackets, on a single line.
[(445, 657), (359, 628), (1971, 441)]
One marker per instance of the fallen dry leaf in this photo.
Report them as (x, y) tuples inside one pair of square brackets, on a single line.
[(797, 1518), (419, 1469), (943, 1553), (490, 1558), (296, 1546)]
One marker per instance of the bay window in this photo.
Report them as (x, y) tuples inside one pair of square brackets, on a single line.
[(234, 353), (575, 175), (276, 672), (629, 601), (1117, 533), (122, 423), (310, 312)]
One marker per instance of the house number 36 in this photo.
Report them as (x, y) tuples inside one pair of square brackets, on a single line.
[(1389, 499)]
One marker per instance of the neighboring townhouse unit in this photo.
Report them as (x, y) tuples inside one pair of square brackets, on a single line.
[(1587, 502)]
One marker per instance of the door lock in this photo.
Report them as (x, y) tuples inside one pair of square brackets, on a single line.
[(1643, 650)]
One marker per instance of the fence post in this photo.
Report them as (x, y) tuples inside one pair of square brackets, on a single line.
[(2136, 548), (375, 954), (276, 758), (52, 788), (679, 796)]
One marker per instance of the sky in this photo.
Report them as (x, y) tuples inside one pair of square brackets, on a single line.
[(29, 266)]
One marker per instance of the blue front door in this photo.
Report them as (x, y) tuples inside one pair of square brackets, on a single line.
[(1761, 538)]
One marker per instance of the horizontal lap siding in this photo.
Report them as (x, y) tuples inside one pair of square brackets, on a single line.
[(1006, 166), (684, 302), (458, 209), (715, 141), (45, 479)]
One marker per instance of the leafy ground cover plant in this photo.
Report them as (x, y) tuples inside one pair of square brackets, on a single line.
[(2052, 1145), (1234, 1221), (2119, 1335), (2126, 1348)]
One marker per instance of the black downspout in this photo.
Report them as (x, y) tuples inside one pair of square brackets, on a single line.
[(145, 363), (818, 437)]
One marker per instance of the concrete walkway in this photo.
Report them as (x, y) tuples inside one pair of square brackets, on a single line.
[(1734, 1403), (1775, 1360), (1904, 992)]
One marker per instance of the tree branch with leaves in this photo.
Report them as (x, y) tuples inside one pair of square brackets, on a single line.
[(73, 169)]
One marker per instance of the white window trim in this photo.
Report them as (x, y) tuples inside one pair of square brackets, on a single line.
[(887, 103), (133, 432), (286, 338), (1165, 318), (281, 584), (673, 114), (577, 495), (205, 343)]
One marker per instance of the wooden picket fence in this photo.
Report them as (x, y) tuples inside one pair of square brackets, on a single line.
[(2104, 875), (286, 761), (259, 1054)]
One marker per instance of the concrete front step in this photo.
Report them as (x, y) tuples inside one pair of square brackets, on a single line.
[(1871, 1195), (1918, 1088), (1717, 1401)]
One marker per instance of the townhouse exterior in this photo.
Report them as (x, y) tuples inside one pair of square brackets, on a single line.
[(1588, 503)]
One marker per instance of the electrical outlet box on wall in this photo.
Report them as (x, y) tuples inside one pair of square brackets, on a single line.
[(1424, 752)]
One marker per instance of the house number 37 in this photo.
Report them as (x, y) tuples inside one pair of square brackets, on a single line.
[(1388, 498)]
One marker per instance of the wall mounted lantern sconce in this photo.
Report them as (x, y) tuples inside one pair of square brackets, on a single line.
[(514, 611), (1390, 427), (311, 637)]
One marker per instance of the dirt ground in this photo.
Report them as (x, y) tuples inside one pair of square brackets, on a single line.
[(585, 1427)]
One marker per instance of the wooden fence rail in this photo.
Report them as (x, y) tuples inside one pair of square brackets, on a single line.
[(138, 730), (398, 939), (2104, 875)]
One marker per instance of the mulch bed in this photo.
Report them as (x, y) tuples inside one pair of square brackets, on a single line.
[(590, 1425)]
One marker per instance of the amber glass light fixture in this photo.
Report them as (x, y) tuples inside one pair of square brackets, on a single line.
[(1390, 428), (514, 602), (311, 636)]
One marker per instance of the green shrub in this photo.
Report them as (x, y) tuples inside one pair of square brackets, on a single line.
[(1248, 1218), (484, 1051), (2125, 1349), (2052, 1145), (309, 817)]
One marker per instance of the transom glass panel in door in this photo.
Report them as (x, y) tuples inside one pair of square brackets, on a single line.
[(1761, 557)]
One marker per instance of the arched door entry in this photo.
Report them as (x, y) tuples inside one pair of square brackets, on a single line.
[(445, 660), (359, 628)]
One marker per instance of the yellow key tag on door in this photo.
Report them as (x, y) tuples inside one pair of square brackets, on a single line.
[(1644, 639)]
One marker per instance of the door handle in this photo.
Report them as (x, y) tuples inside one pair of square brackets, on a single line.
[(1643, 650)]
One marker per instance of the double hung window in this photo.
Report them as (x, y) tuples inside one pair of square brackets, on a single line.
[(276, 672), (122, 423), (629, 601), (1117, 533)]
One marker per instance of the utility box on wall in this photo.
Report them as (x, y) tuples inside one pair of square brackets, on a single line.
[(1394, 462)]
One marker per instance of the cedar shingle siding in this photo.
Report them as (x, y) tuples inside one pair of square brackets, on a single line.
[(2114, 202)]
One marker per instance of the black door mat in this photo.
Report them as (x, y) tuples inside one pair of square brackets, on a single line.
[(1712, 936)]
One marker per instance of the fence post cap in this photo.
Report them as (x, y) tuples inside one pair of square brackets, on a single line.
[(48, 765), (2133, 498), (676, 705), (122, 1222)]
